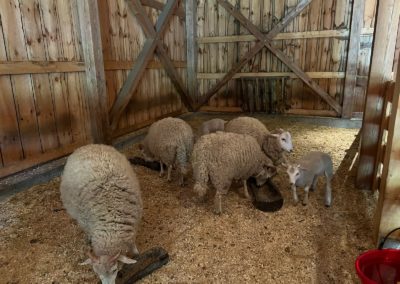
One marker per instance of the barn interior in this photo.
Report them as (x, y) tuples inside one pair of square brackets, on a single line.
[(78, 72)]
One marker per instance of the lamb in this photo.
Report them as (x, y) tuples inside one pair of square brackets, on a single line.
[(305, 174), (99, 189), (222, 157), (169, 141), (274, 144), (213, 125)]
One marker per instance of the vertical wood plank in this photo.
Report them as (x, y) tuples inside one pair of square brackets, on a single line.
[(352, 57), (191, 47)]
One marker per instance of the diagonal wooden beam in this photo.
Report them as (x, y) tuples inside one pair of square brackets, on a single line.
[(160, 6), (255, 49), (267, 42), (281, 56), (143, 59), (162, 54)]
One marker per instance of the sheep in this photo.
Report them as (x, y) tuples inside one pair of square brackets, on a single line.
[(169, 141), (212, 125), (274, 144), (306, 172), (100, 190), (222, 157)]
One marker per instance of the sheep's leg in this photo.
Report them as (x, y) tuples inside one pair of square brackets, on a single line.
[(245, 190), (314, 183), (295, 198), (305, 200), (161, 169), (218, 203), (169, 173), (328, 190)]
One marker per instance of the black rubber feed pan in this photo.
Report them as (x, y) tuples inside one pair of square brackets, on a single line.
[(267, 197), (155, 166)]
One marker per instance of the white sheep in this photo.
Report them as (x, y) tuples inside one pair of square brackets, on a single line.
[(212, 125), (169, 141), (223, 157), (99, 189), (274, 144), (306, 172)]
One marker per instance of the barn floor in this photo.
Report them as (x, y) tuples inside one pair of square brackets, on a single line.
[(39, 243)]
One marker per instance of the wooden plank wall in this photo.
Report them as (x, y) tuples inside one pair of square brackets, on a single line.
[(43, 109), (42, 115), (123, 39), (316, 40)]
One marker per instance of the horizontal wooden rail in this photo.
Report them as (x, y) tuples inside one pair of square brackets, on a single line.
[(45, 157), (159, 6), (312, 112), (317, 75), (39, 67), (341, 33)]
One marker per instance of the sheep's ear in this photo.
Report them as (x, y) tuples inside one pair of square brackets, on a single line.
[(92, 259), (125, 259), (281, 130), (285, 165)]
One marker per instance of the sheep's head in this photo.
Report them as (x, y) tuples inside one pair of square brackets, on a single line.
[(284, 139), (146, 153), (106, 266), (268, 171), (294, 172)]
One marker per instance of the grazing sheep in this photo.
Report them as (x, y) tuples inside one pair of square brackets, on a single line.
[(213, 125), (222, 157), (99, 189), (274, 144), (169, 141), (305, 174)]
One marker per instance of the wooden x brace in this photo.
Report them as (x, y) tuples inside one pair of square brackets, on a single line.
[(152, 43), (266, 40)]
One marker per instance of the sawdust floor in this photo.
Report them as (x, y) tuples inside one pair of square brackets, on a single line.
[(39, 243)]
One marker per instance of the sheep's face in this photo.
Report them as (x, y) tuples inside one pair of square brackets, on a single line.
[(146, 154), (107, 267), (293, 172), (267, 172), (285, 140)]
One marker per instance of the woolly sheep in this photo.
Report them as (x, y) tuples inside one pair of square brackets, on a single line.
[(213, 125), (99, 189), (274, 144), (169, 141), (306, 172), (222, 157)]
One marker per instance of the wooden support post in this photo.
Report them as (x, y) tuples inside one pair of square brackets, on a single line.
[(388, 210), (357, 20), (95, 87), (386, 26), (191, 47), (144, 57)]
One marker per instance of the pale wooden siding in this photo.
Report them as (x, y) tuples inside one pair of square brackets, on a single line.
[(320, 54)]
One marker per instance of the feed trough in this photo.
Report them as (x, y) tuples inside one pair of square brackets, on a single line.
[(267, 197)]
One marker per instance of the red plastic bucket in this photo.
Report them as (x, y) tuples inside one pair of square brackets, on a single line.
[(379, 266)]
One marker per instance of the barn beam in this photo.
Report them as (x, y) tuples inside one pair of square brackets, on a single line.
[(160, 6), (383, 50), (357, 20), (95, 86), (267, 42), (162, 54), (143, 59)]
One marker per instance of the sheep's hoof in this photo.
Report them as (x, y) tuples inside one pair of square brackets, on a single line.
[(217, 211), (327, 205), (295, 202), (305, 203)]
